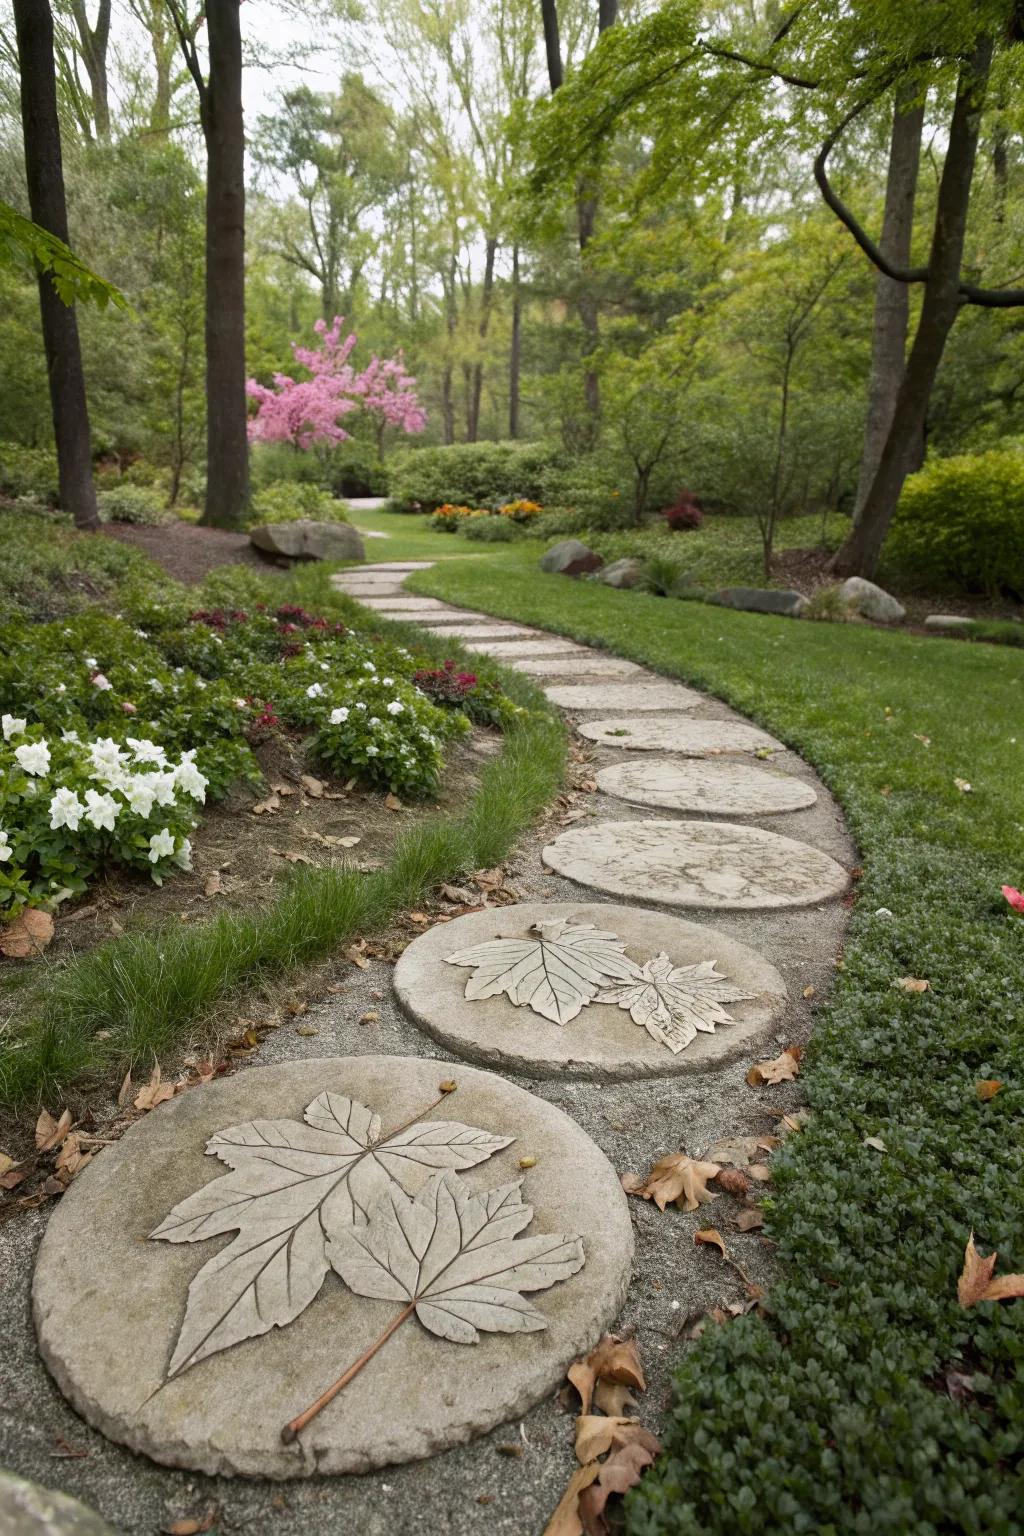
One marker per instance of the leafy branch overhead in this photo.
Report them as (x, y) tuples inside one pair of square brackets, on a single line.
[(23, 243), (291, 1186)]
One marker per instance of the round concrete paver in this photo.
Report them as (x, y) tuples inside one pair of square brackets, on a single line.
[(676, 733), (722, 787), (109, 1304), (517, 648), (572, 666), (696, 864), (602, 696), (602, 1041)]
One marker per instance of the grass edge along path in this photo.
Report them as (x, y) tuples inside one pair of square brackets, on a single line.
[(862, 1398), (140, 994)]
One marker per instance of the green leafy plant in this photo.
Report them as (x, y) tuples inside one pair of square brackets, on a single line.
[(127, 503), (474, 474), (960, 522), (286, 501), (491, 530)]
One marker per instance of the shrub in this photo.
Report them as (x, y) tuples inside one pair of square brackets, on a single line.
[(521, 511), (490, 530), (470, 474), (684, 514), (827, 606), (286, 501), (662, 576), (449, 517), (126, 503), (481, 700), (960, 522), (29, 472)]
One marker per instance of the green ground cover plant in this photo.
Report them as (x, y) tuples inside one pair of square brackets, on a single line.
[(865, 1399), (285, 501)]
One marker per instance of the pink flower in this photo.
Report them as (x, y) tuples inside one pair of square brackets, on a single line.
[(100, 682), (128, 708), (1014, 897)]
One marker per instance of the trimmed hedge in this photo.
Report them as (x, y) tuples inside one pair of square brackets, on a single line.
[(470, 474), (960, 522)]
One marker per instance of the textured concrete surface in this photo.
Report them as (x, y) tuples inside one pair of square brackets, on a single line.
[(519, 648), (710, 787), (706, 864), (639, 695), (101, 1287), (576, 666), (27, 1509), (602, 1041), (676, 733)]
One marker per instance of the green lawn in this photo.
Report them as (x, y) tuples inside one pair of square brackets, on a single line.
[(409, 538), (866, 1400)]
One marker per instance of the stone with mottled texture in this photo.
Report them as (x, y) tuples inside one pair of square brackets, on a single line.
[(622, 573), (103, 1295), (306, 539), (473, 632), (787, 603), (948, 621), (678, 733), (601, 696), (551, 646), (577, 666), (722, 787), (570, 557), (409, 605), (28, 1509), (602, 1041), (871, 601), (703, 864)]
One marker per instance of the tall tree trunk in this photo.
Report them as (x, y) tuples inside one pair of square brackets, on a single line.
[(486, 298), (227, 446), (44, 172), (552, 43), (892, 299), (515, 354), (859, 554), (93, 42)]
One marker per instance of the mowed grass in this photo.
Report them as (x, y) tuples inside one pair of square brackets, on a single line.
[(866, 1399), (409, 538)]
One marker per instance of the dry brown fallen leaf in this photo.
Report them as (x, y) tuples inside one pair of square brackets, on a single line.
[(676, 1177), (355, 954), (266, 807), (913, 984), (313, 787), (614, 1398), (976, 1282), (732, 1181), (749, 1219), (987, 1088), (282, 789), (613, 1359), (392, 803), (50, 1132), (155, 1092), (620, 1473), (6, 1164), (781, 1069), (28, 934), (214, 885), (566, 1519), (710, 1237), (192, 1525)]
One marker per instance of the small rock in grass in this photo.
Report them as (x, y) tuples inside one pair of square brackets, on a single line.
[(948, 621), (871, 601), (622, 573), (784, 601), (570, 557), (306, 539)]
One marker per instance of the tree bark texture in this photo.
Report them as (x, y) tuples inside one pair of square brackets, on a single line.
[(552, 43), (515, 352), (486, 303), (93, 42), (942, 299), (892, 299), (44, 171)]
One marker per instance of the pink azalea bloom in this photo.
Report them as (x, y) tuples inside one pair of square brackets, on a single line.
[(1014, 897)]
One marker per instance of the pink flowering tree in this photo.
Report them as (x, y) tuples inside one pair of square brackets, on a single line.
[(310, 412)]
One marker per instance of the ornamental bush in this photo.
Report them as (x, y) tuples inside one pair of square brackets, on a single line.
[(490, 530), (128, 503), (69, 804), (286, 501), (472, 474), (29, 472), (960, 523)]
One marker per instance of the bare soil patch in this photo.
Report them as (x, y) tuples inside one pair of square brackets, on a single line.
[(186, 551)]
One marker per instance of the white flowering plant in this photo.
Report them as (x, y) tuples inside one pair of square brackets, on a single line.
[(70, 804)]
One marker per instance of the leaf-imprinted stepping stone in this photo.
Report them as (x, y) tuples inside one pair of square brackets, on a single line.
[(572, 666), (677, 733), (716, 787), (101, 1286), (696, 864), (644, 696), (600, 1040)]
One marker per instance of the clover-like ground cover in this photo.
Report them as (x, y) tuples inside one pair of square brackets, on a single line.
[(865, 1398)]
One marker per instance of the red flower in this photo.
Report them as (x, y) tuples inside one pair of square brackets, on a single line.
[(1014, 897)]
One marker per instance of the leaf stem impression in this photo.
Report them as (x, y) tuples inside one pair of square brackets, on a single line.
[(292, 1430)]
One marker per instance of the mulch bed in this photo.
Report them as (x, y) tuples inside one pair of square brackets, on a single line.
[(185, 550)]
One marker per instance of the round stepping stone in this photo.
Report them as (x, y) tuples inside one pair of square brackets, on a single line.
[(602, 1040), (676, 733), (696, 864), (110, 1306), (582, 696), (519, 648), (726, 787), (598, 666)]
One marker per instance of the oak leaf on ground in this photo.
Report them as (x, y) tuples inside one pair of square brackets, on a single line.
[(676, 1177), (781, 1069), (976, 1281)]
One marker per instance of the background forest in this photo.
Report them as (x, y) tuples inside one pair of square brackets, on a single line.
[(591, 231)]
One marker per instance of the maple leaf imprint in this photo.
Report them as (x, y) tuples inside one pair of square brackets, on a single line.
[(292, 1184), (455, 1259), (556, 974), (673, 1002)]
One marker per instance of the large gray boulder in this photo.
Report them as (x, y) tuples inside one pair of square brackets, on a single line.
[(305, 539), (570, 557), (871, 602), (622, 573), (783, 600), (27, 1509)]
